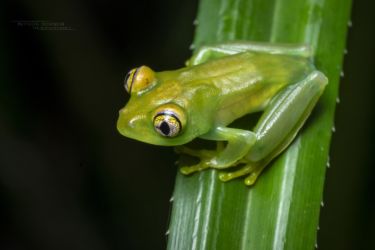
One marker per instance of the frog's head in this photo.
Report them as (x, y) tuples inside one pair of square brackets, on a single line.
[(156, 113)]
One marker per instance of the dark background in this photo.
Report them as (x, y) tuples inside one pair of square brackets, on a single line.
[(68, 180)]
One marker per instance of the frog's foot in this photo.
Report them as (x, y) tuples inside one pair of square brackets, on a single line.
[(250, 169), (204, 155), (195, 168), (204, 164)]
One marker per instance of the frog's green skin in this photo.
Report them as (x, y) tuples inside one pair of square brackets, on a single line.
[(219, 85)]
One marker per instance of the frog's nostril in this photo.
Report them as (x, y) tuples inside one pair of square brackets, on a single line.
[(131, 123), (136, 121)]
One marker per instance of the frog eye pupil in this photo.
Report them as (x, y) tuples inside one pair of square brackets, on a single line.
[(164, 128)]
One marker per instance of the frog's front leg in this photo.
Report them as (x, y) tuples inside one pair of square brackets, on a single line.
[(238, 145)]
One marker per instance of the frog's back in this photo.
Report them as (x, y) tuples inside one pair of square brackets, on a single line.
[(248, 80), (249, 66)]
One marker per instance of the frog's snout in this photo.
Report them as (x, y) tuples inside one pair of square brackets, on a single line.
[(128, 124), (124, 123)]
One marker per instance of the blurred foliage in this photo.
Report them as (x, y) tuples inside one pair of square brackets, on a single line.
[(68, 180)]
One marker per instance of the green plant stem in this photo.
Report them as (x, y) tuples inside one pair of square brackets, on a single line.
[(281, 211)]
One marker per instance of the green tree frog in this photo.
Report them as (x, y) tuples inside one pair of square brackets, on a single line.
[(220, 84)]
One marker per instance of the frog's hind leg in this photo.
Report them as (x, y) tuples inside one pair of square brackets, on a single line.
[(206, 53), (285, 115), (279, 124)]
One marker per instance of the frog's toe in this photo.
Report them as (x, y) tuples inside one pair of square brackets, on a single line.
[(187, 170), (253, 170), (227, 176), (195, 168), (250, 180)]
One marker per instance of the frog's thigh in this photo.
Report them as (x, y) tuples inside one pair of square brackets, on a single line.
[(239, 143), (271, 48), (206, 53), (284, 116)]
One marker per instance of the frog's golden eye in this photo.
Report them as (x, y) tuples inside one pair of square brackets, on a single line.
[(169, 120), (139, 79), (167, 124)]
